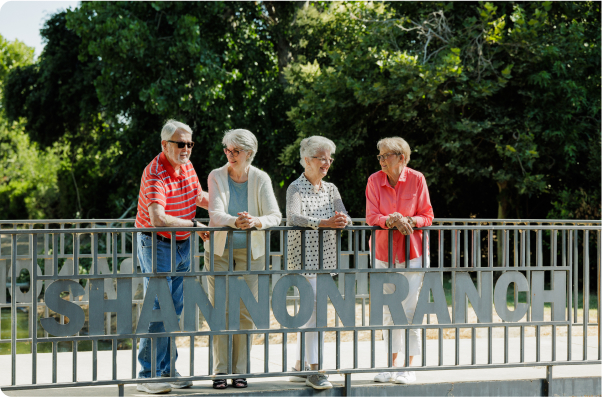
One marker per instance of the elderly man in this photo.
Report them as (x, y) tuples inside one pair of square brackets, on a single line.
[(169, 194)]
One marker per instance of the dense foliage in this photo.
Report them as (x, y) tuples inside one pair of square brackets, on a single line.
[(500, 102)]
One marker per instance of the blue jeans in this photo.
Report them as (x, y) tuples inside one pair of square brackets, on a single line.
[(177, 294)]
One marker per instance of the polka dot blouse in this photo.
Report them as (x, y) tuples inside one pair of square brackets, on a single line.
[(305, 207)]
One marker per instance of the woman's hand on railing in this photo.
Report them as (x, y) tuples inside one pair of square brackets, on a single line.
[(246, 221), (338, 221), (403, 226)]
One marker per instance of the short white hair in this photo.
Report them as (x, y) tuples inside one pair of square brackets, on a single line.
[(243, 139), (171, 126), (314, 144)]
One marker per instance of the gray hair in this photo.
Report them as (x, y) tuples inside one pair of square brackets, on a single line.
[(171, 126), (314, 144), (243, 139), (397, 145)]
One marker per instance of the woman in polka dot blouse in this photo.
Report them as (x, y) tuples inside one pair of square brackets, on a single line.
[(311, 202)]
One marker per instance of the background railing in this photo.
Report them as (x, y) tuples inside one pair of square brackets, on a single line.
[(88, 249)]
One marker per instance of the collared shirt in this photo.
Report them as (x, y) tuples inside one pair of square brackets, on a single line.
[(409, 197), (176, 193), (306, 207)]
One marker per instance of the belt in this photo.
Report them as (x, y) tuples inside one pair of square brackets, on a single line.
[(161, 238)]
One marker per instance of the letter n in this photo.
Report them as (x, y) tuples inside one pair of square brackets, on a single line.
[(482, 305), (259, 309), (345, 308), (194, 295)]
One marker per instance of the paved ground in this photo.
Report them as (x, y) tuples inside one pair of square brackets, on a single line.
[(267, 385)]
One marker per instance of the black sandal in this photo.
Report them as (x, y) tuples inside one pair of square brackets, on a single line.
[(220, 384), (239, 383)]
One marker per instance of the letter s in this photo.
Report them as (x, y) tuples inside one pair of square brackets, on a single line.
[(73, 312)]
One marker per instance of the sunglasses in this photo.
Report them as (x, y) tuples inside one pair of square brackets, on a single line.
[(181, 145)]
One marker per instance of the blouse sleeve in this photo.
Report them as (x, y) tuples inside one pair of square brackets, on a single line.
[(293, 210), (338, 204), (424, 210), (373, 215)]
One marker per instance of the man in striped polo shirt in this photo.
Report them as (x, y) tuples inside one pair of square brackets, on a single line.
[(169, 194)]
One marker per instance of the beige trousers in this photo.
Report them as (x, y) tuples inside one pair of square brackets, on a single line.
[(239, 342)]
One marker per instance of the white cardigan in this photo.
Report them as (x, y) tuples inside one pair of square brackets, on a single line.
[(261, 203)]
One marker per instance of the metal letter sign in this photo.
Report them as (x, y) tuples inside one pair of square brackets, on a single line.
[(432, 283), (73, 312), (306, 301), (556, 296), (501, 291), (482, 304), (345, 308), (378, 298), (259, 309), (159, 309), (121, 305), (194, 295)]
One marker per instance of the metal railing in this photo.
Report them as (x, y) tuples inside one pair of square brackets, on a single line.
[(550, 257)]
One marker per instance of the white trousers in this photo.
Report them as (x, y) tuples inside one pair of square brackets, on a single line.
[(409, 305), (311, 338)]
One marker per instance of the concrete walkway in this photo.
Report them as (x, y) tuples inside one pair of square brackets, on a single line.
[(275, 386)]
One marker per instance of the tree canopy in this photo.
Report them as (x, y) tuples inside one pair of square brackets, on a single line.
[(500, 101)]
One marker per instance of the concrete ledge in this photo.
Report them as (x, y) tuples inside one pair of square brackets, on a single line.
[(585, 386)]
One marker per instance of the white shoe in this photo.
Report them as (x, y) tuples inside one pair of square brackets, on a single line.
[(298, 378), (179, 384), (154, 388), (383, 377), (405, 377)]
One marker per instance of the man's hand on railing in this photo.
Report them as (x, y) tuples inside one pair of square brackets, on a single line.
[(338, 221), (203, 235)]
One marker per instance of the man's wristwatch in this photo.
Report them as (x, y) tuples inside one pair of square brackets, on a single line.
[(194, 222)]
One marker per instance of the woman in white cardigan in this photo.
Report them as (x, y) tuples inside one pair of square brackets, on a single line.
[(241, 197)]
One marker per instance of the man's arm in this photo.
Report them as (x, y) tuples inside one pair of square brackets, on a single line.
[(160, 219), (202, 200)]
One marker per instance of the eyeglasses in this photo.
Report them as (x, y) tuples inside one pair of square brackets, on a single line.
[(385, 156), (323, 160), (181, 145), (234, 152)]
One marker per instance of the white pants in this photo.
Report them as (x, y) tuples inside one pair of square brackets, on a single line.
[(409, 305), (311, 338)]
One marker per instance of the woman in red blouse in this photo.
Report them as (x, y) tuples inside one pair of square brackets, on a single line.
[(397, 197)]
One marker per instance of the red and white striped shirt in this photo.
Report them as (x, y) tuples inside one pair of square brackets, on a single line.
[(176, 193)]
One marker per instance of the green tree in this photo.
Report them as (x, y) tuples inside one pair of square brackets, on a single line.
[(500, 101)]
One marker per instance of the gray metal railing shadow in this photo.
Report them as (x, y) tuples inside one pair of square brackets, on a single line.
[(547, 261)]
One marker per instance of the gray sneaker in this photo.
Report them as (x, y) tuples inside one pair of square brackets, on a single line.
[(318, 382), (154, 388), (298, 378), (182, 384)]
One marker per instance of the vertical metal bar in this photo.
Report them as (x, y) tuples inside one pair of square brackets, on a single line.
[(54, 360), (114, 343), (302, 347), (338, 349), (320, 349), (407, 348), (423, 337), (248, 236), (266, 353), (13, 308), (457, 346), (440, 345), (522, 343), (598, 247), (34, 308), (120, 390), (55, 255), (249, 342), (373, 250), (473, 346), (355, 349), (538, 343), (153, 356), (74, 361), (303, 249), (173, 252), (114, 247), (466, 248), (570, 301), (389, 347), (516, 249), (372, 349), (285, 352), (549, 380), (506, 331), (563, 247), (576, 275), (95, 358), (585, 290), (553, 343), (134, 355), (211, 251), (230, 339), (490, 248), (347, 384), (407, 247), (172, 355), (489, 345), (191, 352), (391, 260), (210, 348), (339, 248), (94, 269), (321, 249)]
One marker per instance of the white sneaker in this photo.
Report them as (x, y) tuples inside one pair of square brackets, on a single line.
[(383, 377), (405, 377), (154, 388), (298, 378), (180, 384), (318, 382)]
